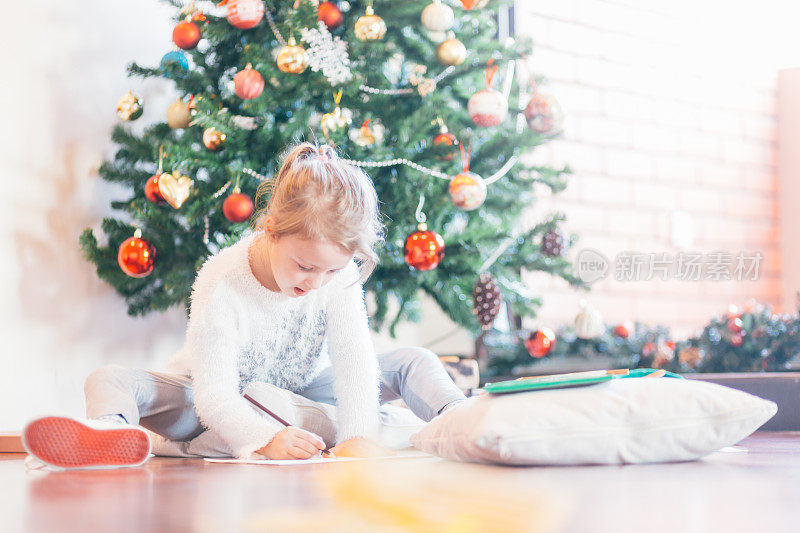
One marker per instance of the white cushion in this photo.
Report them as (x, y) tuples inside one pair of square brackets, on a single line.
[(640, 420)]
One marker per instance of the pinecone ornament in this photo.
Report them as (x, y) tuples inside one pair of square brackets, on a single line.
[(553, 243), (486, 300)]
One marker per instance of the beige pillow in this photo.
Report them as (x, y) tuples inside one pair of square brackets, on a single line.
[(640, 420)]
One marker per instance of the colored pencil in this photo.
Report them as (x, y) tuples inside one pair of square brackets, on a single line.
[(273, 415)]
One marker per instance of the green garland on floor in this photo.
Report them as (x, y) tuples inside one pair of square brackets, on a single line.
[(753, 339)]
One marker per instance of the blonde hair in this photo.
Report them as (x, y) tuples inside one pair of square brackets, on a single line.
[(320, 197)]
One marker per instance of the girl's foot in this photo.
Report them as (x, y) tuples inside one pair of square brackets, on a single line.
[(65, 442)]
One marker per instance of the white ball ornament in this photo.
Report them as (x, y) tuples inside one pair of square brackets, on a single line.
[(488, 107), (245, 14), (467, 191), (437, 17)]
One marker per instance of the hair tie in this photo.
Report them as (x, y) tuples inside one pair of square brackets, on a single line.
[(321, 156)]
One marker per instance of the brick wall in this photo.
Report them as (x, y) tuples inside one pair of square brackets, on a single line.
[(663, 113)]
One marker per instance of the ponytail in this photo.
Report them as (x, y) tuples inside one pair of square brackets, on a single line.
[(321, 197)]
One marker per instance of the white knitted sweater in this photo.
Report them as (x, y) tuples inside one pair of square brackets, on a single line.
[(239, 331)]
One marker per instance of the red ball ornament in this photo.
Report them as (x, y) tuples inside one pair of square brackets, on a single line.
[(446, 140), (424, 249), (540, 343), (735, 325), (245, 14), (543, 114), (444, 144), (186, 35), (238, 207), (151, 190), (623, 330), (248, 83), (136, 256), (330, 14), (737, 339), (649, 349)]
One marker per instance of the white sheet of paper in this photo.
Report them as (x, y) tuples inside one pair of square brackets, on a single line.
[(313, 460), (733, 449)]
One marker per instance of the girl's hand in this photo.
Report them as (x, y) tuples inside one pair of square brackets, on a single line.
[(360, 447), (293, 443)]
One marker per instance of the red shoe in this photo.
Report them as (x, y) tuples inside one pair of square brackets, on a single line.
[(68, 443)]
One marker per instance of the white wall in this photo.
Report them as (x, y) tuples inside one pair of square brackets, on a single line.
[(64, 68), (789, 183), (670, 108)]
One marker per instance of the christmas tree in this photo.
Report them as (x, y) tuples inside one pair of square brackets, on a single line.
[(424, 95)]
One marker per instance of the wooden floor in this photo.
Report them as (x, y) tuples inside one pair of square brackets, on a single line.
[(753, 487)]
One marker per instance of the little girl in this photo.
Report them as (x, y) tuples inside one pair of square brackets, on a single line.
[(283, 306)]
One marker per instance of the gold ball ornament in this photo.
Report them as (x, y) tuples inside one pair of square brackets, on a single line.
[(179, 115), (213, 139), (129, 107), (451, 52), (174, 188), (437, 17), (370, 27), (292, 58), (467, 191)]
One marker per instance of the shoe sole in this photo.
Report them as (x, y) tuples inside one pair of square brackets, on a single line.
[(66, 443)]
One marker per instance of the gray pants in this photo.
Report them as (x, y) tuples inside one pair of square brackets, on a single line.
[(164, 403)]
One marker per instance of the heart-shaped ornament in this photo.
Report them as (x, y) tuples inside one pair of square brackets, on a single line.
[(174, 188)]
